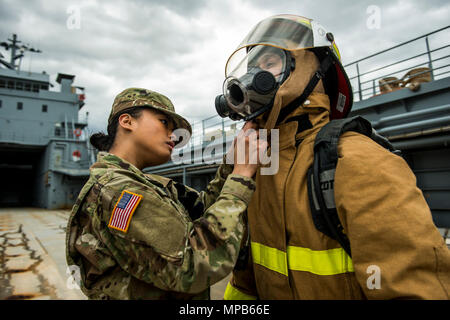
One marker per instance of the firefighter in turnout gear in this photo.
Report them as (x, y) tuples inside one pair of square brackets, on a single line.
[(287, 75)]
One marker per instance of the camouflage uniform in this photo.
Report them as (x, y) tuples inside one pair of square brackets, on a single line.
[(177, 243)]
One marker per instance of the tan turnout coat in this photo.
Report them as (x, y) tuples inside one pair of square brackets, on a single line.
[(397, 252)]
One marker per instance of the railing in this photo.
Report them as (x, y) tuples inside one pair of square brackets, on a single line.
[(209, 129), (433, 61), (35, 139), (22, 138), (69, 135), (49, 130), (212, 130), (82, 164)]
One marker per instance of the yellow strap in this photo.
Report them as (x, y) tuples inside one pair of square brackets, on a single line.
[(321, 262), (231, 293)]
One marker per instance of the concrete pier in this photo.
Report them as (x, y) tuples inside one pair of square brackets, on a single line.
[(32, 256)]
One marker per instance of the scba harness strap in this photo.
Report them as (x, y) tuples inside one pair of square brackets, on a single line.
[(321, 174)]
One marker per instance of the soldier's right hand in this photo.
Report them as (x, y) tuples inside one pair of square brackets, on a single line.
[(247, 147)]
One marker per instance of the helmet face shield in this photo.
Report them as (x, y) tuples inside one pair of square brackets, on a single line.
[(284, 31), (253, 77), (290, 32)]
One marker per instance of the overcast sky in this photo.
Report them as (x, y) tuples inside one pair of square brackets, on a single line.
[(179, 48)]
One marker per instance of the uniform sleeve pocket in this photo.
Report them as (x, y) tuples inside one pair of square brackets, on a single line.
[(141, 216), (156, 224)]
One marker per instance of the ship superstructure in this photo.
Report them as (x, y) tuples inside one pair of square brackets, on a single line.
[(44, 153)]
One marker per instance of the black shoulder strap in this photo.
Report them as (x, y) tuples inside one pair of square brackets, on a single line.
[(321, 174)]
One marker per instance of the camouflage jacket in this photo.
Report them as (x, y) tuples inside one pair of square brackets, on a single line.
[(177, 243)]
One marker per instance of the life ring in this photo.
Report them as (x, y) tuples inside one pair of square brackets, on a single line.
[(77, 132)]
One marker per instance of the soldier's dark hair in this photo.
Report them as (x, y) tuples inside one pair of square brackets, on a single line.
[(104, 142)]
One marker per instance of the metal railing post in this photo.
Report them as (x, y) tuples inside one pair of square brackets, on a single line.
[(223, 132), (203, 130), (430, 65), (359, 82), (373, 86)]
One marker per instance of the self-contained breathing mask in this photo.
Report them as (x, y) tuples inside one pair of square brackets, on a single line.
[(250, 86), (252, 82)]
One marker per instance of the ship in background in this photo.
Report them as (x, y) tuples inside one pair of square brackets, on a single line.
[(44, 151)]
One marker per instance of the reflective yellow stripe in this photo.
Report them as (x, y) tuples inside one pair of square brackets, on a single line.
[(337, 51), (304, 21), (321, 262), (268, 257), (231, 293)]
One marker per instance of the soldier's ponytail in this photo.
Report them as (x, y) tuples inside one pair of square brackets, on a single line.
[(104, 142), (101, 141)]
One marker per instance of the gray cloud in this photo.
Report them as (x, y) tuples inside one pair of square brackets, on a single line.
[(180, 47)]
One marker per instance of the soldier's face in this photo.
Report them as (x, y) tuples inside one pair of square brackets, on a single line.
[(153, 137)]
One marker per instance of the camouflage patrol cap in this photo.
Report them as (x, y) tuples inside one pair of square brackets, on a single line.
[(138, 97)]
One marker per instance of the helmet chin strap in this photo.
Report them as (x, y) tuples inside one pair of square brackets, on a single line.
[(318, 75)]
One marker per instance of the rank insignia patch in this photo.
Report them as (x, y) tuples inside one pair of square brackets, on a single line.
[(123, 210)]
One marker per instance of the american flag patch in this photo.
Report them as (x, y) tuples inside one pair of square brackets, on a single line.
[(123, 210)]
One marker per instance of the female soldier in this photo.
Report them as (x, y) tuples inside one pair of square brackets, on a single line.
[(140, 236)]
